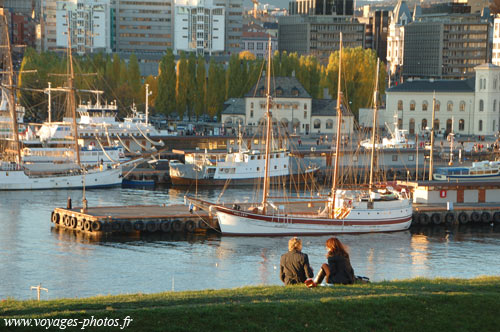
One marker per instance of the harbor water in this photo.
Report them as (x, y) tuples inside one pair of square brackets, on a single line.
[(32, 251)]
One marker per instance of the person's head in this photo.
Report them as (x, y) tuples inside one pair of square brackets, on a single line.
[(335, 247), (295, 244)]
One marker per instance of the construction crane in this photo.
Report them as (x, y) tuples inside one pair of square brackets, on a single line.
[(255, 8)]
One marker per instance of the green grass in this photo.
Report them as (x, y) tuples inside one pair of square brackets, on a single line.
[(407, 305)]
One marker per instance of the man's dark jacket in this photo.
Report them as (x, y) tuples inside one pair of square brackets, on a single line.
[(294, 267)]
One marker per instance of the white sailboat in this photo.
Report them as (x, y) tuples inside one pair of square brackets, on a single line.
[(344, 211), (14, 175)]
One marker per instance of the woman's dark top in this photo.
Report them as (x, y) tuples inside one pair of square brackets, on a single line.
[(294, 268), (341, 271)]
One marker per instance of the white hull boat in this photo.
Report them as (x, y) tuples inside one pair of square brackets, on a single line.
[(14, 178)]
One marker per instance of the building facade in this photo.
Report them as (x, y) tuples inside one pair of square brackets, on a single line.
[(399, 17), (199, 27), (89, 25), (233, 24), (319, 35), (445, 46), (321, 7), (466, 107), (256, 43), (495, 50), (293, 109)]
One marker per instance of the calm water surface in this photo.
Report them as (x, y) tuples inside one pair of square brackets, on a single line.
[(73, 265)]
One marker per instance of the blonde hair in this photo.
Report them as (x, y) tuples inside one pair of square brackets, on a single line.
[(295, 244)]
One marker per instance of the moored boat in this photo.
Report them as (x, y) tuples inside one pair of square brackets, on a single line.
[(479, 171)]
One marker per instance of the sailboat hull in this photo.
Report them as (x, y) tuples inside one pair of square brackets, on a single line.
[(236, 222), (19, 180)]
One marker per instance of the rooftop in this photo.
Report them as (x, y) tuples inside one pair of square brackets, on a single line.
[(281, 87), (467, 85)]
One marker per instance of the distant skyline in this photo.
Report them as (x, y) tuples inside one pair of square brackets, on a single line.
[(284, 3)]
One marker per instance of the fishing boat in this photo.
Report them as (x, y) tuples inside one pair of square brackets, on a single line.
[(342, 211), (243, 167), (14, 175), (398, 140), (479, 171)]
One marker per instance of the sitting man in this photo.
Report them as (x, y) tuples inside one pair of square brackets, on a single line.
[(294, 265)]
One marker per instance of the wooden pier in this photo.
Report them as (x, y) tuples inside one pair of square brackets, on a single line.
[(128, 219)]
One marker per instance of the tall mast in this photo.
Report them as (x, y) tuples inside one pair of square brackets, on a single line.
[(431, 156), (339, 124), (71, 95), (374, 129), (10, 88), (268, 130)]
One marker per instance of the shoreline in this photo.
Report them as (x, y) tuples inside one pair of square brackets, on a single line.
[(410, 305)]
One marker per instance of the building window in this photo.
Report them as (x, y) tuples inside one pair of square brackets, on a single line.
[(438, 106), (480, 125), (251, 113), (436, 124), (461, 125), (481, 105), (394, 157), (462, 106), (305, 106), (425, 105), (424, 124), (260, 46), (400, 105), (305, 114), (449, 106), (250, 46), (329, 124), (412, 105), (411, 127), (317, 124)]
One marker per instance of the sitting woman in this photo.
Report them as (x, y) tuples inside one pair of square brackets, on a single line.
[(339, 269), (294, 265)]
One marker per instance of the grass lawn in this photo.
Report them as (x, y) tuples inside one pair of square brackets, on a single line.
[(407, 305)]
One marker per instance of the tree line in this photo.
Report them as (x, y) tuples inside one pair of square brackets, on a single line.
[(190, 86)]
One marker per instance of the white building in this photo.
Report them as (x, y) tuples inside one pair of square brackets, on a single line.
[(293, 109), (396, 36), (89, 22), (466, 107), (495, 57), (199, 26)]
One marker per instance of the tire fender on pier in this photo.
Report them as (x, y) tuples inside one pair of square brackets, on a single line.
[(87, 226), (73, 222), (203, 224), (475, 217), (178, 225), (423, 218), (190, 226), (139, 225), (166, 226), (463, 218), (436, 218), (55, 217), (449, 218), (127, 227), (151, 226), (496, 217), (486, 217), (96, 226)]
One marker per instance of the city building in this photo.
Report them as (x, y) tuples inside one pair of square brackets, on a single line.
[(466, 107), (233, 24), (293, 109), (321, 7), (256, 42), (26, 7), (446, 46), (495, 50), (399, 17), (319, 35), (376, 23), (199, 27), (476, 5), (48, 24), (89, 22)]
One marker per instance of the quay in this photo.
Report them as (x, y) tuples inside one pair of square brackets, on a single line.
[(131, 219)]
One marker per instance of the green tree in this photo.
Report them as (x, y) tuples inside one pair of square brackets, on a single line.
[(213, 88), (235, 78), (201, 87), (181, 89), (134, 77), (191, 84), (165, 102)]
